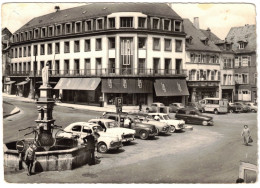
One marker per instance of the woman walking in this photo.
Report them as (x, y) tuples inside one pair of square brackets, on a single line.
[(246, 134)]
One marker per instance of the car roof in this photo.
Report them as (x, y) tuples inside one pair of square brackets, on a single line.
[(80, 123), (212, 98), (157, 114), (102, 119), (157, 103)]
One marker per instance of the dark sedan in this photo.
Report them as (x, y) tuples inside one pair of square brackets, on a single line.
[(245, 108), (193, 116), (234, 108)]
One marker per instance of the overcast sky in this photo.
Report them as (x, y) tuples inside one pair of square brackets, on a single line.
[(218, 17)]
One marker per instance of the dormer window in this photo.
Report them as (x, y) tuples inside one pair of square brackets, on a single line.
[(17, 37), (204, 40), (30, 36), (100, 23), (126, 22), (241, 45), (50, 31), (177, 26), (88, 25), (188, 39), (21, 37), (166, 25), (111, 23), (44, 32), (68, 28), (141, 22), (26, 35), (37, 33), (58, 29), (155, 23), (78, 27)]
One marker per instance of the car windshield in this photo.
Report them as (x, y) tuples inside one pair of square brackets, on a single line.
[(98, 128), (112, 124), (166, 117)]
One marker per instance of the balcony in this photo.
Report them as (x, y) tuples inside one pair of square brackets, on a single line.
[(106, 73)]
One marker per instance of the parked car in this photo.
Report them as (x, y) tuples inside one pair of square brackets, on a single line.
[(234, 108), (174, 123), (215, 105), (253, 106), (193, 116), (155, 106), (195, 105), (113, 127), (173, 107), (105, 142), (245, 108), (142, 130), (161, 127)]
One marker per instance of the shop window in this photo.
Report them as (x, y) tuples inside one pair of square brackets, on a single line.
[(76, 46), (178, 45), (42, 49), (99, 44), (88, 25), (87, 45), (177, 26), (167, 44), (156, 44), (78, 27), (68, 28), (66, 47), (111, 23), (141, 22), (111, 43), (142, 42), (49, 48), (57, 48), (166, 25), (126, 22)]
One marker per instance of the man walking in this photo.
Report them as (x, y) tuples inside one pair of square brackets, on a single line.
[(89, 140), (30, 157), (246, 134)]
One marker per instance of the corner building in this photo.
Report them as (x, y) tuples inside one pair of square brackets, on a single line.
[(133, 50)]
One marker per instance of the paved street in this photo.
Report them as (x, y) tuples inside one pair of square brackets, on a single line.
[(204, 155)]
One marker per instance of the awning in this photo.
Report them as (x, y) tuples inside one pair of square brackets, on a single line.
[(23, 82), (127, 86), (78, 83), (171, 87), (10, 82)]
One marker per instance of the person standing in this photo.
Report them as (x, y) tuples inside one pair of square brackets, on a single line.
[(89, 140), (140, 107), (96, 135), (30, 157), (127, 122), (246, 134)]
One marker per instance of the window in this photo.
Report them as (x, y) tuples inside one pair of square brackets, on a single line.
[(36, 33), (142, 42), (98, 66), (244, 78), (87, 45), (76, 66), (212, 75), (42, 49), (50, 31), (126, 22), (44, 32), (99, 24), (255, 78), (20, 52), (99, 44), (177, 26), (240, 61), (155, 23), (50, 48), (111, 66), (16, 53), (218, 75), (66, 66), (21, 36), (57, 66), (192, 75), (111, 43), (26, 35), (241, 45), (167, 66), (141, 66), (58, 29), (77, 128), (111, 23), (141, 22), (29, 66), (156, 65), (87, 66), (24, 67), (88, 25), (66, 47), (76, 46), (178, 45), (166, 25), (68, 28), (24, 51), (78, 27), (11, 53), (57, 48), (156, 44), (29, 51), (244, 61), (236, 62), (167, 44), (41, 65)]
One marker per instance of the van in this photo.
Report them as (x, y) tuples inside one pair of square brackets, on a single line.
[(215, 105)]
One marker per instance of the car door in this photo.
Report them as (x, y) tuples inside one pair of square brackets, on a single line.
[(193, 117)]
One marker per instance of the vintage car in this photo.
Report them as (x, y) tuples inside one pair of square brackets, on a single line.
[(113, 127), (173, 123), (234, 108), (173, 107), (161, 127), (105, 142), (193, 116), (245, 108), (253, 106), (143, 131), (155, 106)]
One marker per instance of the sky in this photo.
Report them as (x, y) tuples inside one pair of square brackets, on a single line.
[(218, 17)]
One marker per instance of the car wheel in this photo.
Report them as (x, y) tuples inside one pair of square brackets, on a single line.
[(144, 135), (205, 123), (215, 111), (231, 111), (172, 129), (102, 147)]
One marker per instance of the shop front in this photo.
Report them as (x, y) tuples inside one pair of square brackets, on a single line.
[(228, 93), (170, 91), (133, 91), (23, 88)]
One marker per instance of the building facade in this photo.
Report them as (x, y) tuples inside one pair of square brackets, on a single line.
[(104, 50), (245, 65), (202, 63)]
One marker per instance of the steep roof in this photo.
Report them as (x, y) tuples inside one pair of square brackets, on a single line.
[(98, 10), (211, 36), (245, 34), (197, 36)]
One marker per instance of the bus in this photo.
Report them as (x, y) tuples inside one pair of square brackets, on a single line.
[(215, 105)]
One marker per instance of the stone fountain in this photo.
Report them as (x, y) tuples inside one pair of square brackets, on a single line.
[(53, 153)]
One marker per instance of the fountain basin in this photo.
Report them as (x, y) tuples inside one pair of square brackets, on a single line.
[(59, 158)]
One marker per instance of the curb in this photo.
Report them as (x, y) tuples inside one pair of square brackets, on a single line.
[(16, 110)]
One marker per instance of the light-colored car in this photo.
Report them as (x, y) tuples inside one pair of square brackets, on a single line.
[(154, 106), (113, 127), (105, 142), (253, 106), (173, 123), (174, 107)]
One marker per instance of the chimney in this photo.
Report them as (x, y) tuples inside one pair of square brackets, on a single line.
[(57, 8), (196, 22)]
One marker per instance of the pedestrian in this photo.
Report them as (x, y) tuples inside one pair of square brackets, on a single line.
[(246, 134), (90, 142), (127, 122), (96, 135), (54, 97), (30, 157), (17, 91), (140, 107), (102, 125), (60, 97)]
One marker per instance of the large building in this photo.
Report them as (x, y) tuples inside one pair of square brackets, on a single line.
[(202, 63), (133, 50), (245, 65)]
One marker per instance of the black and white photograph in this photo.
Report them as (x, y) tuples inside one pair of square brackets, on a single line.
[(129, 92)]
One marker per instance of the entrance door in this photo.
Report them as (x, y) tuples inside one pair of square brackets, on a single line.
[(178, 66)]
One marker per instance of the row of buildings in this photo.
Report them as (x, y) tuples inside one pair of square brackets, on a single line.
[(144, 52)]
